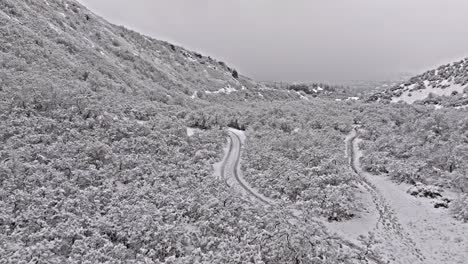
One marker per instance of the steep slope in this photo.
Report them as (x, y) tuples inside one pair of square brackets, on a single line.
[(444, 86), (95, 162), (79, 49)]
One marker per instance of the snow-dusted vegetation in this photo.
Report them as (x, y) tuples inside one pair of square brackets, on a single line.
[(300, 158), (108, 140), (419, 145), (445, 86), (95, 162)]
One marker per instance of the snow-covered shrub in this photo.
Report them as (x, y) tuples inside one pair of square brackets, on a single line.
[(459, 207), (429, 191)]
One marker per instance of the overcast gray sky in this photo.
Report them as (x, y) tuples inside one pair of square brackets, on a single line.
[(305, 40)]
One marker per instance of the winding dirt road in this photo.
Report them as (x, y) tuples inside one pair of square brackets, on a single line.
[(232, 176), (409, 230), (231, 173)]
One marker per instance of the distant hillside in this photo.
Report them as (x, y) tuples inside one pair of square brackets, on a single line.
[(445, 86)]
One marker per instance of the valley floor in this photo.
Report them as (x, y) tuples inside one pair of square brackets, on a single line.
[(408, 229), (405, 229)]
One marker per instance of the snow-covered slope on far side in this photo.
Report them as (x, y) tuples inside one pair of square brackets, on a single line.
[(446, 86)]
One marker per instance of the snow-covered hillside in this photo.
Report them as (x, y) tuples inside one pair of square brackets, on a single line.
[(444, 86), (83, 50)]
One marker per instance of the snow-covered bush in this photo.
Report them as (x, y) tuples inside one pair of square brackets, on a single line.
[(459, 207)]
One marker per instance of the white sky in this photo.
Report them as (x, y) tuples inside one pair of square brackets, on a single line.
[(305, 40)]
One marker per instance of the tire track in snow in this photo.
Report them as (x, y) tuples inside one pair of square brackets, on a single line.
[(396, 243), (231, 167), (230, 174)]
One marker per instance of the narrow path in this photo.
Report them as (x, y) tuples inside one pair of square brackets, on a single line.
[(396, 245), (410, 229)]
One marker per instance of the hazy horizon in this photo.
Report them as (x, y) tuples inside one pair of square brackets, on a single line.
[(305, 40)]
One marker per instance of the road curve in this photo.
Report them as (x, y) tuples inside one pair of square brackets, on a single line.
[(231, 174), (230, 170)]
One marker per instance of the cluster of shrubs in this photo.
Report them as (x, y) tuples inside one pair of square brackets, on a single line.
[(415, 144)]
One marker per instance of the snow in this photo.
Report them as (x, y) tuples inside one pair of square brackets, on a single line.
[(54, 28), (192, 131), (189, 58), (230, 89), (240, 184), (90, 42), (338, 100), (194, 95), (261, 95), (410, 97), (431, 235), (302, 96), (366, 219), (441, 238), (319, 88), (352, 98), (362, 224), (243, 88), (226, 90), (47, 3), (5, 14)]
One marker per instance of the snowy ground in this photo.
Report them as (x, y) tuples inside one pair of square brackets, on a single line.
[(229, 170), (410, 97), (409, 228), (440, 238)]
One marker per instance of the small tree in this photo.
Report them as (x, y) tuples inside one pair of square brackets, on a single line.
[(235, 74)]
